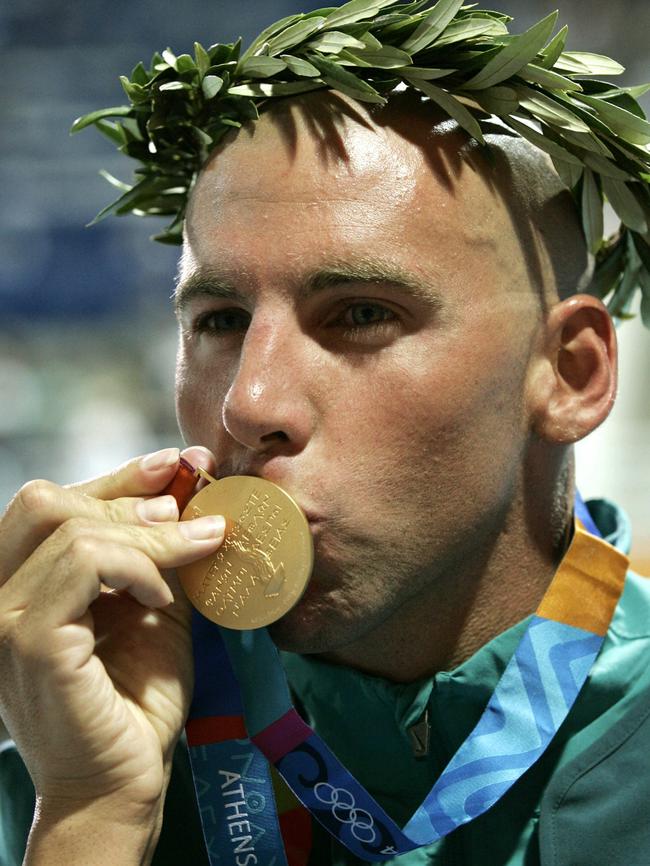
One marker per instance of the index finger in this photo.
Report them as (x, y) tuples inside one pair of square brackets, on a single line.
[(140, 476), (145, 476)]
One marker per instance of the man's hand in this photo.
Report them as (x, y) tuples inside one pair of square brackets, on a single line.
[(95, 644)]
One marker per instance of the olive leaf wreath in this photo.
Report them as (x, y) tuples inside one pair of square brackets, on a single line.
[(460, 57)]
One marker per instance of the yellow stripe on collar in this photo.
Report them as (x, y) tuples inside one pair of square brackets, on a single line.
[(587, 585)]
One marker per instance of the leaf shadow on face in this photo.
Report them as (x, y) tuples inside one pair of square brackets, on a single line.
[(542, 213), (325, 116)]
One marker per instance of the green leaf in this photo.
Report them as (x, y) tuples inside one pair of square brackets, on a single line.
[(136, 92), (608, 270), (554, 48), (643, 249), (432, 26), (569, 173), (466, 29), (356, 10), (171, 238), (644, 281), (295, 34), (451, 106), (332, 41), (175, 85), (139, 75), (547, 109), (203, 61), (143, 190), (220, 54), (624, 202), (323, 12), (515, 55), (112, 131), (118, 184), (280, 88), (634, 158), (185, 63), (203, 137), (269, 32), (624, 100), (547, 78), (620, 304), (169, 57), (345, 81), (501, 101), (588, 116), (387, 58), (130, 127), (157, 58), (426, 74), (592, 212), (371, 42), (630, 127), (393, 21), (634, 92), (605, 167), (211, 85), (394, 28), (88, 119), (260, 67), (587, 141), (645, 309), (300, 66), (586, 63), (543, 142)]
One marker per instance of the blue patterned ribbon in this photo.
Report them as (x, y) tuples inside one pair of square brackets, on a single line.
[(232, 778)]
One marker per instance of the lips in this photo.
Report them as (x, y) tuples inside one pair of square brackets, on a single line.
[(313, 517)]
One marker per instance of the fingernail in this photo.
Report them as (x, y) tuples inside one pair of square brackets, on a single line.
[(157, 510), (159, 459), (167, 595), (203, 528)]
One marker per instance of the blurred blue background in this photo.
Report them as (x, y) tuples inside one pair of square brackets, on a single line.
[(87, 339)]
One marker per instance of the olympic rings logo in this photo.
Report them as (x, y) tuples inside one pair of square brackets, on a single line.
[(343, 808)]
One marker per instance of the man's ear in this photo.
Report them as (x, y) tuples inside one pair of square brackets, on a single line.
[(572, 381)]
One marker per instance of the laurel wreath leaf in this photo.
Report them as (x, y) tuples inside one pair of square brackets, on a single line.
[(596, 134)]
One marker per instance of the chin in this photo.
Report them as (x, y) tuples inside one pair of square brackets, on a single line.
[(301, 631), (319, 623)]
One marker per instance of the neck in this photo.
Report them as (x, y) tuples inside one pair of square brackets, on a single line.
[(443, 626)]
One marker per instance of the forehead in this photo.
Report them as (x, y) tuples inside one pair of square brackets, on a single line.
[(323, 174)]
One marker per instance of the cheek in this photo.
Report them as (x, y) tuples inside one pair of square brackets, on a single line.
[(198, 400), (432, 423)]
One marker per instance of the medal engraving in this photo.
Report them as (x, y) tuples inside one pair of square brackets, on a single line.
[(264, 564)]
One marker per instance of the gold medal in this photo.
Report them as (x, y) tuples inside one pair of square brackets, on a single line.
[(263, 566)]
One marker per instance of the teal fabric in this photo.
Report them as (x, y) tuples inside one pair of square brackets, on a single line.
[(585, 803)]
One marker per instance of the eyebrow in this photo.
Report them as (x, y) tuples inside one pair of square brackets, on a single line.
[(209, 282)]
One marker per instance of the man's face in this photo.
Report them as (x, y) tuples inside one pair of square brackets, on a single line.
[(355, 324)]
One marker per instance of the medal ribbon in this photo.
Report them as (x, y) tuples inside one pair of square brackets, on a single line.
[(531, 700)]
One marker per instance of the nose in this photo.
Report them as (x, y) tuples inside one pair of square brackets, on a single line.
[(267, 406)]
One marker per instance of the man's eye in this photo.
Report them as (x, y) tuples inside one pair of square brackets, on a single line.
[(365, 314), (223, 321)]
